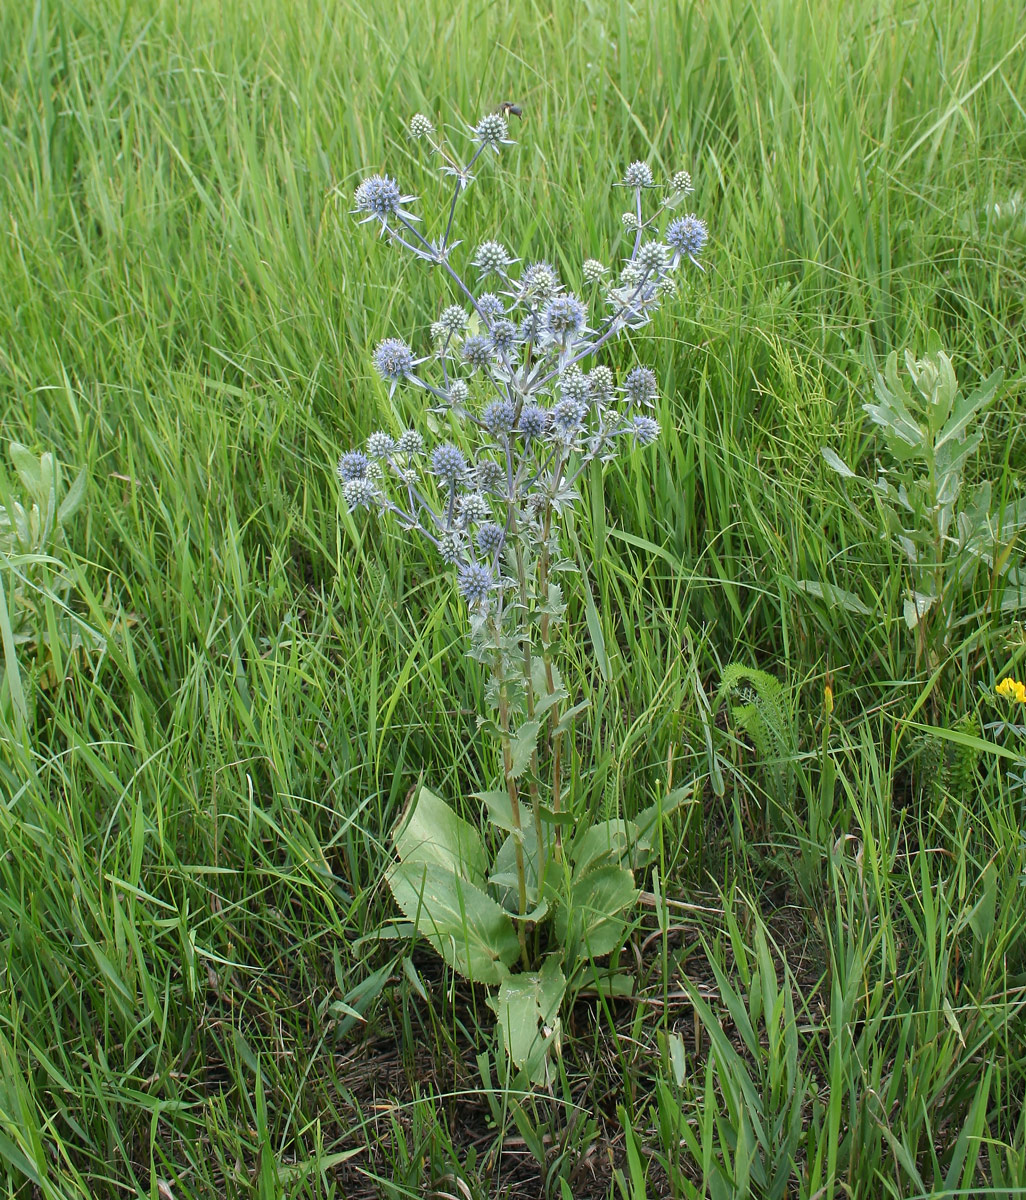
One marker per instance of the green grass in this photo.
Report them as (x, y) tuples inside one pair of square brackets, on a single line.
[(194, 821)]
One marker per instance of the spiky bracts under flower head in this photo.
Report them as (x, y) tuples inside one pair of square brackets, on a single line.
[(687, 236), (476, 583), (380, 199), (638, 175)]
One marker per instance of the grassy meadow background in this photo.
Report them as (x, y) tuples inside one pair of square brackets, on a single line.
[(194, 819)]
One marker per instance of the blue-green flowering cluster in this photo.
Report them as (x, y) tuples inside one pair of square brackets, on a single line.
[(507, 360), (520, 404)]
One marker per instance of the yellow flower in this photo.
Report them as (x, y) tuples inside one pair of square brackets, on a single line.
[(1012, 689)]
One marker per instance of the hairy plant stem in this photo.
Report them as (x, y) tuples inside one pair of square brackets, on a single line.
[(518, 835), (555, 737)]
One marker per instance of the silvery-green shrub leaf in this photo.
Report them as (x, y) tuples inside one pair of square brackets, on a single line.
[(466, 926), (834, 595), (430, 832), (836, 463), (526, 1008), (74, 497), (916, 606)]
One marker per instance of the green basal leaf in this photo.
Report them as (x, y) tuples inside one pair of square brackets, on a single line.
[(430, 832), (588, 921), (605, 839), (467, 928), (526, 1008)]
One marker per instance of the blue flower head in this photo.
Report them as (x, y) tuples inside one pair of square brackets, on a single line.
[(645, 430), (491, 258), (394, 360), (458, 393), (451, 323), (499, 417), (488, 475), (534, 421), (539, 281), (490, 538), (380, 445), (574, 385), (359, 493), (493, 131), (567, 419), (411, 442), (687, 236), (473, 508), (601, 383), (638, 175), (477, 352), (505, 336), (448, 463), (352, 465), (476, 583), (654, 258), (420, 126), (563, 319), (380, 199), (641, 386), (490, 306)]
